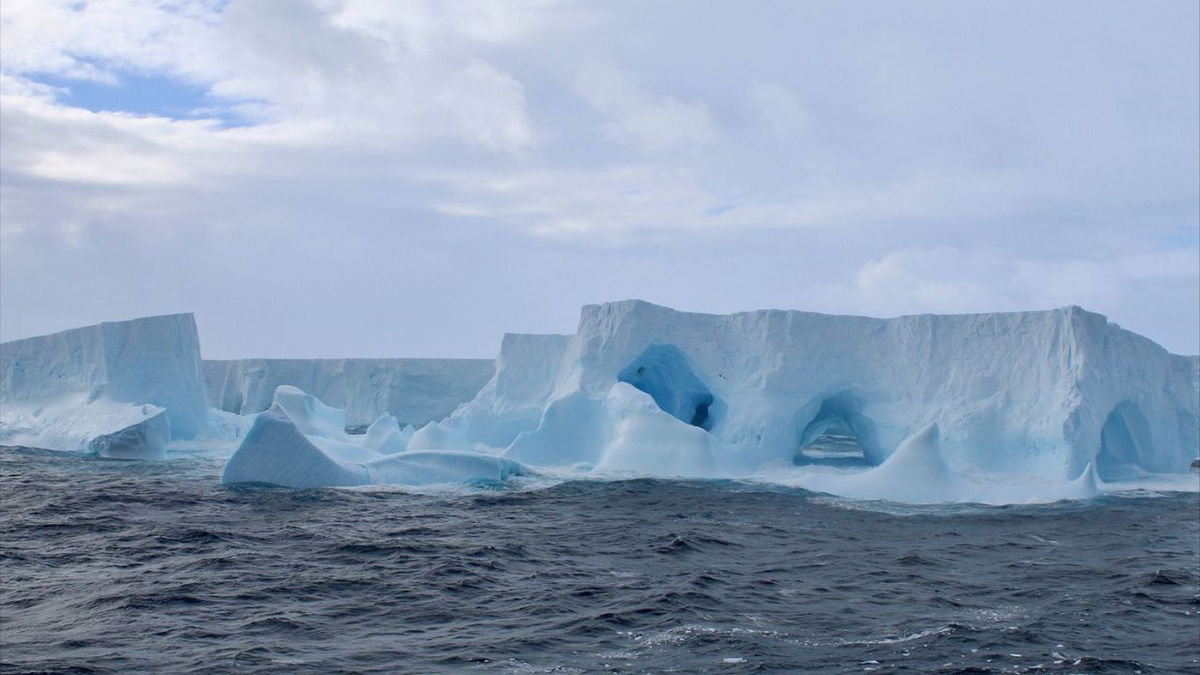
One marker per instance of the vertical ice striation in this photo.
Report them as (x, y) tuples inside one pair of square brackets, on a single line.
[(511, 402), (1029, 393), (65, 390), (415, 391)]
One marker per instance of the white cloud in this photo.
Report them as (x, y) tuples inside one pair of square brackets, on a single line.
[(866, 160), (388, 72), (639, 118), (85, 40), (487, 107), (966, 279)]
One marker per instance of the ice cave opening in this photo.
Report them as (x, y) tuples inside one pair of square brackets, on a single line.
[(662, 371), (1124, 438), (838, 435)]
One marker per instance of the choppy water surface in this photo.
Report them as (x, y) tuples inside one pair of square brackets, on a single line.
[(118, 567)]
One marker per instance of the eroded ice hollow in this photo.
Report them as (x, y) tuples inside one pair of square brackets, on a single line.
[(1060, 399), (300, 442), (119, 389)]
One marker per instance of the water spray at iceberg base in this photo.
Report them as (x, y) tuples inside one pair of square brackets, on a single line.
[(985, 408)]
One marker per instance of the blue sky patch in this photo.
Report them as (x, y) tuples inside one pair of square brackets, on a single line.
[(143, 94)]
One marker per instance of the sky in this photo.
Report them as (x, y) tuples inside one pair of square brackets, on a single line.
[(324, 178)]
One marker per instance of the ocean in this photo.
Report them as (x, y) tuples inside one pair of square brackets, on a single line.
[(118, 567)]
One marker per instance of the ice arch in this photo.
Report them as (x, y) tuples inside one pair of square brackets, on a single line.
[(1124, 441), (663, 372), (839, 428)]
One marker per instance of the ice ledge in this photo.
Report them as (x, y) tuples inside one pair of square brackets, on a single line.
[(96, 426)]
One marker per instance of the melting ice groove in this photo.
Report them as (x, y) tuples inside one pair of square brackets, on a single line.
[(1006, 408)]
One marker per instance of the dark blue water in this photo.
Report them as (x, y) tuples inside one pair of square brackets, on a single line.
[(153, 567)]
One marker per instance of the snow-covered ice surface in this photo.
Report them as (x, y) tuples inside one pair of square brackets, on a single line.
[(118, 389), (300, 442), (415, 391)]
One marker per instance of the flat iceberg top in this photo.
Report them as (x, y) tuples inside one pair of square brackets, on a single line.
[(137, 323), (633, 304)]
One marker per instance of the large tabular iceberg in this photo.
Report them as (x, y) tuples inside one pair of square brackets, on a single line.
[(415, 391), (118, 389), (300, 442), (937, 408), (1054, 395)]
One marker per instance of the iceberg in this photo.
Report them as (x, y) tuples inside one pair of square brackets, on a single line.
[(79, 423), (917, 474), (511, 402), (998, 408), (117, 389), (299, 442), (931, 400), (415, 391)]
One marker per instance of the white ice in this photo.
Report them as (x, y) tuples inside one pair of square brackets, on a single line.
[(996, 408), (117, 389), (992, 408), (80, 423), (916, 474), (300, 442), (415, 391)]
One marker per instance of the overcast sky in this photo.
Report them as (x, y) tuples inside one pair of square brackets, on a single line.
[(382, 178)]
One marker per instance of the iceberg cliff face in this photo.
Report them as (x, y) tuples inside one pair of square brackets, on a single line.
[(1035, 393), (415, 391), (132, 384), (512, 401)]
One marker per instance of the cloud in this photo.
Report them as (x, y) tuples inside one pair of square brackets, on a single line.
[(1112, 278), (638, 118), (779, 109), (399, 73), (960, 279), (513, 160)]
